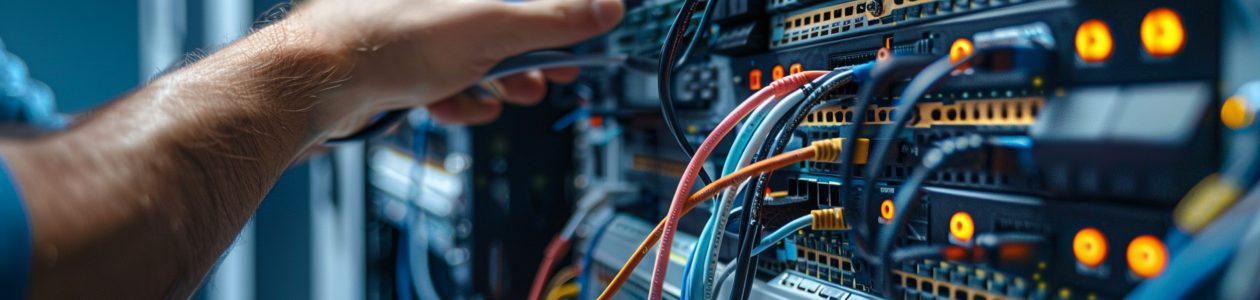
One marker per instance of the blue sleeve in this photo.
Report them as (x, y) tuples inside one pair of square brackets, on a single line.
[(15, 236)]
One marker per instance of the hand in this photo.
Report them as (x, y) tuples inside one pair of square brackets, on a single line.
[(423, 53)]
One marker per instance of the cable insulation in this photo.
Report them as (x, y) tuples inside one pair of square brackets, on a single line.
[(779, 161)]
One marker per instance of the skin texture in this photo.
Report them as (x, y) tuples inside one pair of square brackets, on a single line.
[(141, 197)]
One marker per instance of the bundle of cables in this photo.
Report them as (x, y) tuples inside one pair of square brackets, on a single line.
[(824, 84), (754, 192), (703, 262), (559, 245), (830, 80), (774, 91), (669, 59), (825, 150)]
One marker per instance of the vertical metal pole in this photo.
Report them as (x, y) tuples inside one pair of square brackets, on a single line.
[(224, 21), (161, 34)]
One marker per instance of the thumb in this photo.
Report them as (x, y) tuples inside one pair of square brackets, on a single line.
[(557, 23)]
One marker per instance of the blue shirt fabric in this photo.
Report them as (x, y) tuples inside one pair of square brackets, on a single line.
[(15, 235), (22, 100)]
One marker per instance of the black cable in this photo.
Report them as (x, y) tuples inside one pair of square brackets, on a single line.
[(927, 79), (702, 29), (722, 280), (906, 200), (748, 236), (664, 81), (882, 76)]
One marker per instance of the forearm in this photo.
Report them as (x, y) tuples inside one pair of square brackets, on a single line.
[(142, 197)]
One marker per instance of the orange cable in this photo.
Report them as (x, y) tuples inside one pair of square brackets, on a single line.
[(708, 191)]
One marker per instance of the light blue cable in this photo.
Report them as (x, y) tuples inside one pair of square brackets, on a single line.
[(742, 150), (696, 273), (588, 259), (783, 232)]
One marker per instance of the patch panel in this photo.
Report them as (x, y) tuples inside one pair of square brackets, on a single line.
[(983, 112), (832, 21)]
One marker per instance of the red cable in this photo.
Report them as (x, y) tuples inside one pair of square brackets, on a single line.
[(555, 249), (778, 88)]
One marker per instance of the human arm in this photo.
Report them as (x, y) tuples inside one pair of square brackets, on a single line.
[(141, 197)]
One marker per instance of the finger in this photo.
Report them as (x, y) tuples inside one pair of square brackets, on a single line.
[(524, 89), (464, 108), (555, 23), (561, 75)]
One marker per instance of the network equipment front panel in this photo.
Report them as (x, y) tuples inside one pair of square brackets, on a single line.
[(905, 149)]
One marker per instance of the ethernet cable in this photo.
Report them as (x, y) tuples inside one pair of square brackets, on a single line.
[(825, 150), (588, 258), (665, 83), (753, 193), (701, 30), (883, 74), (695, 166), (698, 273), (561, 242), (828, 80), (906, 199), (510, 66), (779, 89), (784, 127), (931, 76), (818, 219)]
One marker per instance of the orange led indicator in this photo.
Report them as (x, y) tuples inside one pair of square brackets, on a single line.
[(1147, 256), (1093, 41), (1090, 247), (1236, 113), (1162, 32), (960, 50), (754, 79), (961, 226), (776, 73), (795, 68), (887, 210)]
